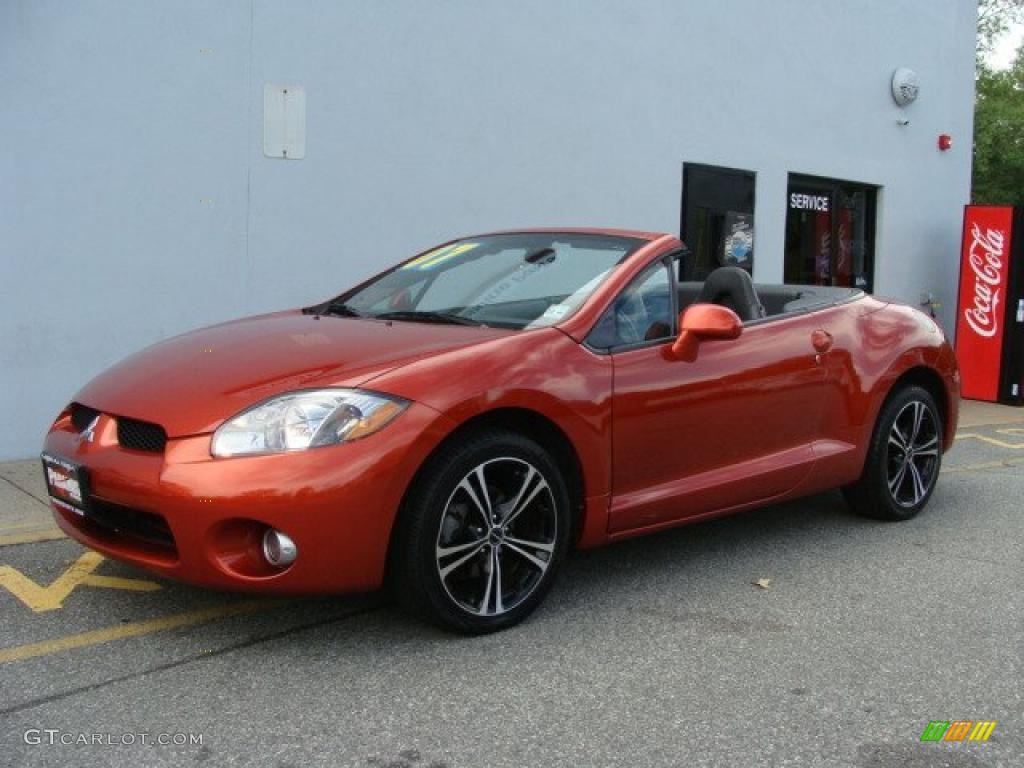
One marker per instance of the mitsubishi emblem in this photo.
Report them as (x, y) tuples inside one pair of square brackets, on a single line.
[(88, 434)]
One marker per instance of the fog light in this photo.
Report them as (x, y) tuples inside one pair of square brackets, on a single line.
[(279, 550)]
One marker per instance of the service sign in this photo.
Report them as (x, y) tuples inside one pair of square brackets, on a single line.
[(810, 201), (984, 274)]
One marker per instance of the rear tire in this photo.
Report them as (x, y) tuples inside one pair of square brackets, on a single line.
[(482, 533), (904, 458)]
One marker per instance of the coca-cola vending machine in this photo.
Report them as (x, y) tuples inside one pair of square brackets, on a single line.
[(990, 316)]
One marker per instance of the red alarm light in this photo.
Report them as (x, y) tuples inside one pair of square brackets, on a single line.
[(945, 141)]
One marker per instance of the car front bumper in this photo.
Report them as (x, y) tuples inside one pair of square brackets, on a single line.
[(189, 516)]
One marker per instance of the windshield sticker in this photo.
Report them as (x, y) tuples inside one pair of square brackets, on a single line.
[(556, 311), (439, 256)]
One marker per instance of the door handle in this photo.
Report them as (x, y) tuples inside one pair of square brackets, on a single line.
[(822, 341)]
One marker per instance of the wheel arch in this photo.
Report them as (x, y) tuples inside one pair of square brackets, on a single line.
[(865, 494), (546, 433), (524, 421), (931, 381)]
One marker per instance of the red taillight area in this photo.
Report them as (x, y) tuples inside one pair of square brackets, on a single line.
[(236, 546)]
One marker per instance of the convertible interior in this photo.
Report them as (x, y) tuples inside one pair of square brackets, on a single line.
[(642, 313), (732, 287)]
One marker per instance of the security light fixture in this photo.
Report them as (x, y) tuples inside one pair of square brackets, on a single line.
[(905, 86)]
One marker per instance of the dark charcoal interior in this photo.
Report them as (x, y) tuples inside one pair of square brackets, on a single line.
[(638, 316), (776, 299), (728, 286)]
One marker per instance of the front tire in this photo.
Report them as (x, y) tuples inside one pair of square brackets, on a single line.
[(904, 458), (482, 533)]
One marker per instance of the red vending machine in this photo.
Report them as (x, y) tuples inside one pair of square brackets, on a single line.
[(990, 315)]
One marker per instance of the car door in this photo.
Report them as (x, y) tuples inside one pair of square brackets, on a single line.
[(734, 426)]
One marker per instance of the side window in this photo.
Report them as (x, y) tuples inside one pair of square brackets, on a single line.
[(642, 312)]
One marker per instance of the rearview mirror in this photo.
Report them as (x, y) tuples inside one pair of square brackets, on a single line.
[(700, 322)]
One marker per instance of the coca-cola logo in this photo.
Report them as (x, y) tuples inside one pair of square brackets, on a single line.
[(985, 256)]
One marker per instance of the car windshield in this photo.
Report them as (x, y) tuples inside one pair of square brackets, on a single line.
[(524, 280)]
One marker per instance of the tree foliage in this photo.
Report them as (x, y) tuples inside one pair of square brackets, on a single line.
[(998, 111), (994, 19), (999, 135)]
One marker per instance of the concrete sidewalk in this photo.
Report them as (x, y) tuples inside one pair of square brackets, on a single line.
[(974, 413), (25, 513)]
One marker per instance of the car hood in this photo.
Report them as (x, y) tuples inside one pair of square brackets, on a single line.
[(191, 383)]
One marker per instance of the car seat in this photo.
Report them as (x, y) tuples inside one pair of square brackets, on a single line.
[(732, 287)]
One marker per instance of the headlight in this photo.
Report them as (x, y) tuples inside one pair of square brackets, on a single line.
[(307, 419)]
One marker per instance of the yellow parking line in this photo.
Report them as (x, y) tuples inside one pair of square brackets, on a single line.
[(50, 598), (21, 527), (31, 537), (982, 465), (987, 439), (132, 629)]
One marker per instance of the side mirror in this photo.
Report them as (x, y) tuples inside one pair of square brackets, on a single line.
[(701, 322)]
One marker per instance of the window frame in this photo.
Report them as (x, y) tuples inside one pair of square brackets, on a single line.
[(669, 261), (729, 177), (833, 187)]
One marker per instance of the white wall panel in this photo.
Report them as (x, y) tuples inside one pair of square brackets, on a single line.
[(136, 201)]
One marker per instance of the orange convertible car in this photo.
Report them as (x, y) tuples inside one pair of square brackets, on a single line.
[(454, 425)]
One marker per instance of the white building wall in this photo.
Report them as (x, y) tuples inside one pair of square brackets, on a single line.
[(136, 203)]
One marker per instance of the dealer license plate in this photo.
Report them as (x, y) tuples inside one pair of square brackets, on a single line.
[(66, 482)]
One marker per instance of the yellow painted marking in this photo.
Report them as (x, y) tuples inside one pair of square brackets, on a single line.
[(991, 440), (21, 526), (132, 629), (30, 537), (984, 465), (80, 573)]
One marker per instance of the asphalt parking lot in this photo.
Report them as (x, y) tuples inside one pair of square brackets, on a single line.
[(655, 652)]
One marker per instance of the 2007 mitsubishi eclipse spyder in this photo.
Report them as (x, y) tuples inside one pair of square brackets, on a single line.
[(454, 425)]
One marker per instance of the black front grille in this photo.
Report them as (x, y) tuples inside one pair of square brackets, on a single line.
[(132, 523), (82, 415), (141, 435)]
